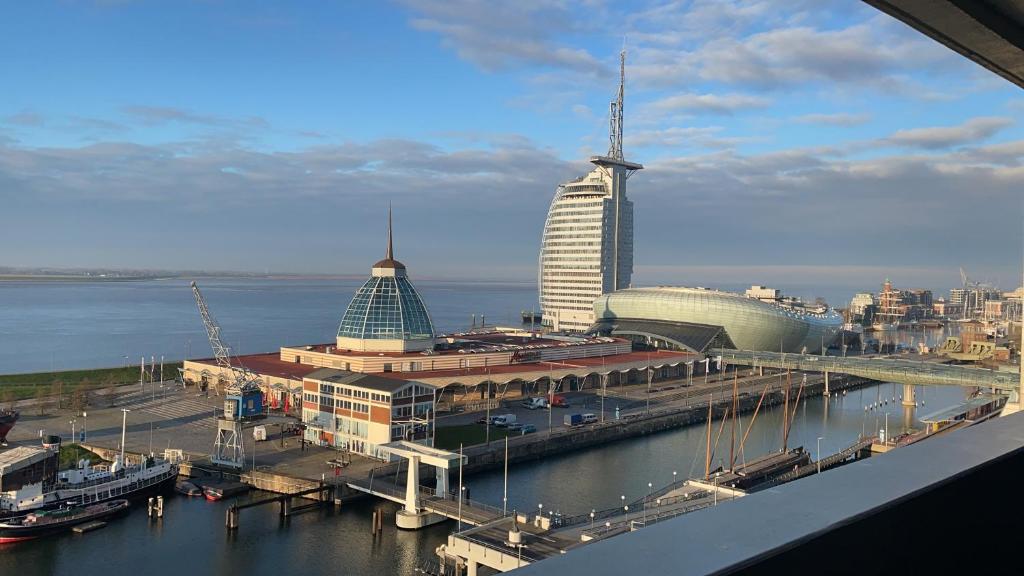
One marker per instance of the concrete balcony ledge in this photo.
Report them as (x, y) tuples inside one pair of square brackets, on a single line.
[(945, 504)]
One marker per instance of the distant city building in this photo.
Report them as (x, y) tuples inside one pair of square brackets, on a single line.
[(947, 309), (895, 306), (587, 243), (698, 319), (862, 305), (973, 299), (1002, 310), (763, 293)]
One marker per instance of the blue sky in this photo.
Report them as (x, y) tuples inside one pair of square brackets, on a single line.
[(785, 142)]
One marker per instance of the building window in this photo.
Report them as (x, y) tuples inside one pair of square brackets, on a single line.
[(387, 367)]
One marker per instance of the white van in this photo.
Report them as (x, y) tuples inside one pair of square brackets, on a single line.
[(535, 403), (589, 418), (504, 420)]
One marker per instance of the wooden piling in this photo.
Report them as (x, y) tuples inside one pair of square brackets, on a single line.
[(231, 518)]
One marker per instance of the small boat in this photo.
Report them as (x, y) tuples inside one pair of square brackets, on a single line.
[(56, 520), (188, 488), (212, 493)]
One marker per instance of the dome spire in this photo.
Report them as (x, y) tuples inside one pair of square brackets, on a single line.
[(389, 263), (391, 252)]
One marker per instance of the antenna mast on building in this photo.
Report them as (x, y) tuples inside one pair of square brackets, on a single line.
[(615, 116)]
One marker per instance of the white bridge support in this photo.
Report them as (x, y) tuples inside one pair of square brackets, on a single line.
[(413, 516)]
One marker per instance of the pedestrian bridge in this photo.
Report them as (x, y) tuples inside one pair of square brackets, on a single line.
[(422, 506), (913, 372)]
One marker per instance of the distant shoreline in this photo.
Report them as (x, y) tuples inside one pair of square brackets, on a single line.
[(81, 278), (75, 278)]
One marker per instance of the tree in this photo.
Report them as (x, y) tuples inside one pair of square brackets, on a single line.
[(56, 391), (79, 400)]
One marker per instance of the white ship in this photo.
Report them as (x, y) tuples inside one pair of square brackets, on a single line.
[(29, 480)]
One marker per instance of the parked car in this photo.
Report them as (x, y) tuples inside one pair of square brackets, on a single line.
[(515, 427), (483, 420), (559, 401), (589, 418), (527, 428)]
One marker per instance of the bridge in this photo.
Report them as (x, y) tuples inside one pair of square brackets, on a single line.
[(471, 512), (422, 506), (898, 370)]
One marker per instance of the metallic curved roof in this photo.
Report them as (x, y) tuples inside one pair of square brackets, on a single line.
[(750, 323)]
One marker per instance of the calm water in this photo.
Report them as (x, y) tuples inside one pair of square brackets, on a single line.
[(58, 325), (191, 539)]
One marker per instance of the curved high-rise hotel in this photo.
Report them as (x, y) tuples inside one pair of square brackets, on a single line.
[(587, 245)]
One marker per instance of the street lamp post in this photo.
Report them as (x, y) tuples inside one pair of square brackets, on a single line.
[(85, 427), (650, 492), (124, 427), (818, 458), (649, 384), (592, 519), (72, 422)]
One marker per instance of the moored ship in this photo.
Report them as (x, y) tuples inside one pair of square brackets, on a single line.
[(30, 480), (8, 418), (54, 521)]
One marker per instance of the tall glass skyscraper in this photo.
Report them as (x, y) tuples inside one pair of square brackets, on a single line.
[(587, 245)]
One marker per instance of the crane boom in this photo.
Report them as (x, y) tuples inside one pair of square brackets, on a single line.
[(244, 379)]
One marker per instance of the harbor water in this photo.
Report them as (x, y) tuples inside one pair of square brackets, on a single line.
[(191, 538)]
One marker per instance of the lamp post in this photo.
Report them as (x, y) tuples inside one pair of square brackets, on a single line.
[(85, 427), (649, 384), (592, 519), (124, 426), (674, 477), (650, 492), (72, 422), (817, 460)]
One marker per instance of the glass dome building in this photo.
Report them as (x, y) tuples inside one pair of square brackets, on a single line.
[(386, 314)]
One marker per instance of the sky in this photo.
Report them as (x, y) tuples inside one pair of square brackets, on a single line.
[(785, 142)]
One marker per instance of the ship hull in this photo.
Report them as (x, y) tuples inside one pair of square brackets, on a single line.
[(163, 486), (7, 422), (10, 533)]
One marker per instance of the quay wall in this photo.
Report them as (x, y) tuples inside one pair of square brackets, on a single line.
[(481, 458)]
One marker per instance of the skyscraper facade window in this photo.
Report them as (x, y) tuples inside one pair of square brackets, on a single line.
[(587, 244)]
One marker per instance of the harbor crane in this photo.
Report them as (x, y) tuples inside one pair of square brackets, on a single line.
[(243, 396), (243, 378)]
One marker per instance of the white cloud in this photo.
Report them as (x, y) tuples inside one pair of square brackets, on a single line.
[(495, 36), (839, 119), (940, 137), (708, 103)]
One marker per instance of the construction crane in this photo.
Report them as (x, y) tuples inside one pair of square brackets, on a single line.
[(244, 380)]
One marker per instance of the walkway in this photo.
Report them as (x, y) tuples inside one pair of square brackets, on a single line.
[(914, 372), (471, 512)]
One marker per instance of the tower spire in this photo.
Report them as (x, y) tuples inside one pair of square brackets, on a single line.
[(615, 116), (391, 252)]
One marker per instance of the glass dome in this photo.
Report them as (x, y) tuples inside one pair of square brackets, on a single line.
[(386, 308)]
